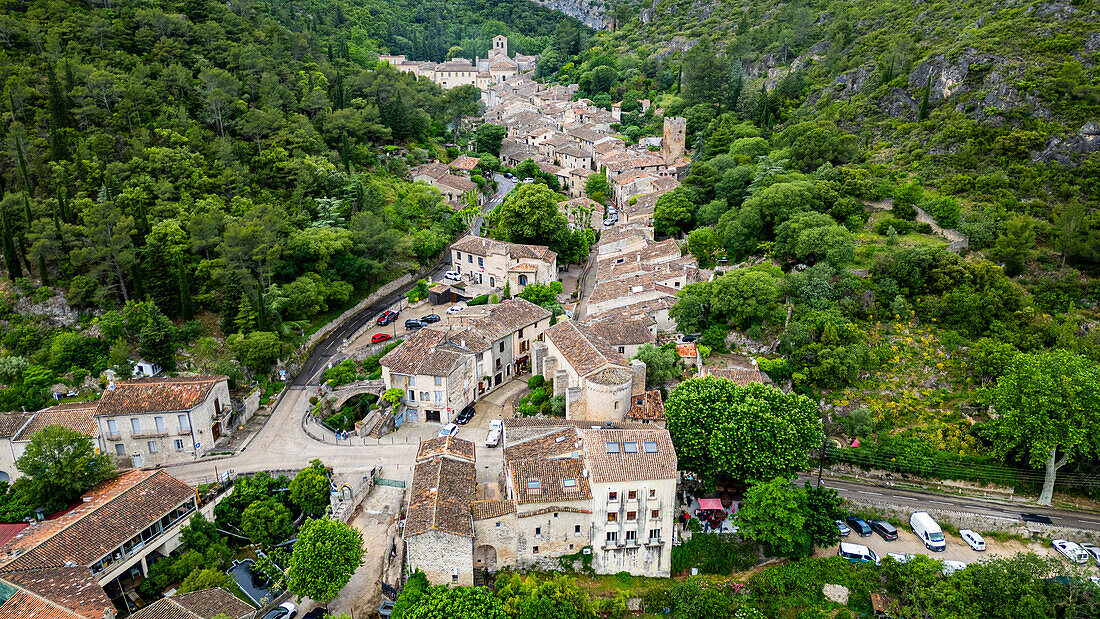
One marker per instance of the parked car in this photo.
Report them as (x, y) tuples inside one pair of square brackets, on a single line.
[(454, 309), (449, 430), (429, 319), (453, 275), (859, 525), (609, 222), (286, 610), (901, 557), (844, 529), (930, 533), (380, 337), (413, 324), (316, 613), (690, 337), (492, 439), (886, 531), (857, 553), (387, 317), (972, 539), (466, 415), (1093, 550), (528, 180), (1071, 550), (950, 567)]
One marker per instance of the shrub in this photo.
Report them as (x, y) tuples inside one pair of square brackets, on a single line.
[(528, 410), (482, 300), (713, 554), (900, 225), (557, 406), (535, 381), (538, 396)]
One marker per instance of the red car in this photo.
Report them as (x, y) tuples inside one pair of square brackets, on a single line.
[(380, 337), (387, 317)]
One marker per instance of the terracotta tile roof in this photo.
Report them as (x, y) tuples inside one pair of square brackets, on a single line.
[(647, 308), (494, 508), (687, 350), (10, 530), (433, 170), (582, 172), (574, 151), (72, 588), (445, 446), (496, 321), (557, 443), (611, 376), (441, 497), (204, 604), (433, 352), (109, 515), (523, 267), (623, 288), (465, 162), (625, 333), (80, 418), (624, 464), (541, 252), (741, 376), (149, 395), (550, 168), (24, 605), (479, 245), (11, 422), (648, 406), (549, 481), (456, 182), (583, 349)]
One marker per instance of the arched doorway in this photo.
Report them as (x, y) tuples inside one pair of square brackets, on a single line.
[(485, 557)]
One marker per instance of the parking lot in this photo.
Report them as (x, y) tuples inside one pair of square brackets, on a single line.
[(956, 550), (396, 329)]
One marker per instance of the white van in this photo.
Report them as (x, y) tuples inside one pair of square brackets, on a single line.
[(928, 531), (857, 553), (493, 438)]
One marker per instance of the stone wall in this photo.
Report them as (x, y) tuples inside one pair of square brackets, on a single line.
[(442, 556)]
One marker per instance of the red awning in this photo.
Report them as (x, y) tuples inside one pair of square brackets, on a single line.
[(710, 504)]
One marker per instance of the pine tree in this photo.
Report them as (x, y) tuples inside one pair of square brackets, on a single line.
[(158, 339), (7, 239), (246, 316), (231, 302)]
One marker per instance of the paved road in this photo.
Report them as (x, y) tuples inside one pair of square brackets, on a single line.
[(918, 500), (504, 187)]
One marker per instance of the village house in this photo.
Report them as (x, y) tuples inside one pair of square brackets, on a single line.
[(581, 212), (578, 177), (621, 240), (627, 336), (204, 604), (456, 189), (619, 292), (439, 528), (648, 408), (741, 376), (17, 429), (489, 262), (596, 380), (573, 157), (656, 309), (442, 370), (104, 543)]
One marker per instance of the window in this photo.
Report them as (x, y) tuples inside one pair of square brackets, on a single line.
[(469, 259), (538, 531), (555, 514), (438, 397), (160, 424), (112, 427), (412, 381), (612, 496), (631, 536), (135, 425), (631, 516), (521, 330), (458, 255), (498, 525), (534, 550), (622, 350), (630, 447), (569, 484), (154, 447), (502, 346), (185, 425), (654, 534), (655, 514), (612, 447), (454, 578), (438, 381), (576, 529), (533, 484), (612, 516), (652, 493), (412, 395), (178, 443), (120, 450), (650, 447), (424, 395), (631, 495), (612, 536)]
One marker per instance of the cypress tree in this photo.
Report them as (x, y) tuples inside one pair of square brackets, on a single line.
[(187, 308), (7, 240)]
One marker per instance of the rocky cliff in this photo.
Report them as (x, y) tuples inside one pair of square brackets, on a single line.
[(584, 11)]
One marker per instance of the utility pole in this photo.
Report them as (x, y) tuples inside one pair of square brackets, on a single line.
[(821, 463)]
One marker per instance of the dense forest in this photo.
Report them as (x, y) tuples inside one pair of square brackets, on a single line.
[(223, 177)]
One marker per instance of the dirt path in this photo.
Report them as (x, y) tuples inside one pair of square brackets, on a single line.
[(377, 519)]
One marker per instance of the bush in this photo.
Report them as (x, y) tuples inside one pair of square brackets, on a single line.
[(538, 396), (713, 554), (528, 410), (557, 406), (900, 225), (535, 381), (482, 300)]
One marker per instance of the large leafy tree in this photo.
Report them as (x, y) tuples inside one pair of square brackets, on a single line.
[(776, 515), (553, 596), (530, 215), (310, 489), (267, 522), (1048, 411), (661, 364), (442, 602), (325, 556), (62, 464), (747, 433)]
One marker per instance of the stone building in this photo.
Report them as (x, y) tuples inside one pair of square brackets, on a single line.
[(439, 529), (489, 262), (16, 430), (159, 421), (674, 141), (442, 370), (597, 381)]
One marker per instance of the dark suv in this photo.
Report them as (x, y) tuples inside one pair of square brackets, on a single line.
[(387, 317), (413, 324), (886, 530), (465, 416), (859, 525)]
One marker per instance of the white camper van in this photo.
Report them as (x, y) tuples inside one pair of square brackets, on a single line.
[(928, 531)]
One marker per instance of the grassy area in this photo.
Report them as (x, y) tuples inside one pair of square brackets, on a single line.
[(270, 390)]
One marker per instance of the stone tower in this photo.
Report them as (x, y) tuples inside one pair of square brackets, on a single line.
[(500, 45), (672, 145)]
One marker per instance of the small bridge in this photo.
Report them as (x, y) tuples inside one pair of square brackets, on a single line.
[(342, 393)]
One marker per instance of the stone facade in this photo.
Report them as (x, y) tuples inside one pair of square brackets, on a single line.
[(639, 540), (445, 558), (675, 139)]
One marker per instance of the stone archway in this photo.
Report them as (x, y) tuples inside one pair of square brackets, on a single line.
[(485, 557)]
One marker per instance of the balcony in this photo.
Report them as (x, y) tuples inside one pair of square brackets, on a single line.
[(151, 435), (113, 437), (654, 541)]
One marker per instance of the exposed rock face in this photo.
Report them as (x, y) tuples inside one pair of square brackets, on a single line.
[(1069, 149), (581, 10), (55, 310)]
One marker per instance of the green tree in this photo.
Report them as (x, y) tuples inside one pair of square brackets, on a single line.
[(158, 339), (257, 350), (62, 464), (325, 556), (1048, 408), (661, 364), (310, 489), (747, 433), (595, 187), (530, 215), (442, 602), (704, 244), (489, 137), (1016, 245), (746, 297), (207, 578), (673, 213), (267, 522), (549, 596), (823, 510), (199, 534), (776, 514)]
